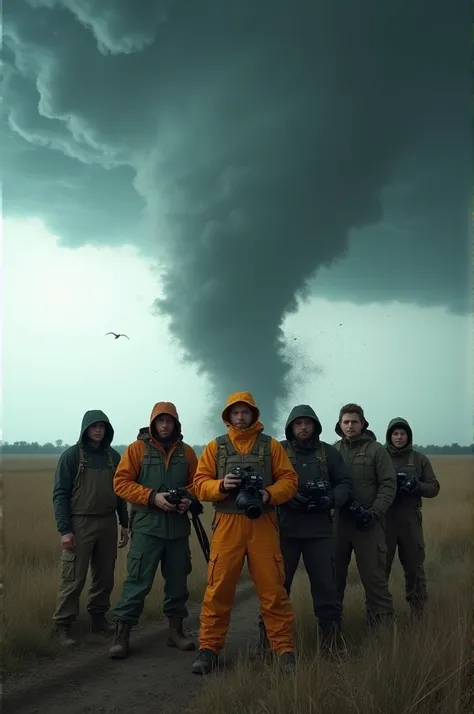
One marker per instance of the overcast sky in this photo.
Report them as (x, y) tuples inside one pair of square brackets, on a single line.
[(251, 154), (393, 359)]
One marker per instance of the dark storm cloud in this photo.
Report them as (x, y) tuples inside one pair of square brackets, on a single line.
[(261, 136)]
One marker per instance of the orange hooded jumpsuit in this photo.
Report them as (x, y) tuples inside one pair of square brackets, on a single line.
[(236, 536)]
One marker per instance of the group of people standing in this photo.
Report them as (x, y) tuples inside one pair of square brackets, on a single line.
[(274, 503)]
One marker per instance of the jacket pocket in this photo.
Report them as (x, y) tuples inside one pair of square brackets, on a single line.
[(68, 565)]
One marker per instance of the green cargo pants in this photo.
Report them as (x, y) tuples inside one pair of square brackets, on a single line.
[(370, 550), (145, 555), (96, 544), (404, 528)]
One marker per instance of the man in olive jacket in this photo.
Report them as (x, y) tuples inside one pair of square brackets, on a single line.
[(306, 521), (360, 526), (86, 509), (415, 480)]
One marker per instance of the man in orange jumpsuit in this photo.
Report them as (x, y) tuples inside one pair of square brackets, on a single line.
[(236, 534)]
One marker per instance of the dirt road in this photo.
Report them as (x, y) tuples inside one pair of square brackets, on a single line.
[(155, 678)]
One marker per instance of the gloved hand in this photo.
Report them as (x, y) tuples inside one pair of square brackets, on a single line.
[(298, 503), (369, 520)]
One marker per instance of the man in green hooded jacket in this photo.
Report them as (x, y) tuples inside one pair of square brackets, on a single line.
[(86, 509), (415, 480), (360, 524), (306, 521)]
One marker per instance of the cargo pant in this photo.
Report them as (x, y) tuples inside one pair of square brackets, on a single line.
[(96, 545), (370, 549), (318, 559), (146, 553), (404, 529)]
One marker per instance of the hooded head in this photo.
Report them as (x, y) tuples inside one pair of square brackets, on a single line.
[(96, 429), (400, 432), (241, 412), (165, 427), (351, 409), (304, 413)]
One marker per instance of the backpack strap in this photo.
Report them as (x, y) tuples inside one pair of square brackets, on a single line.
[(110, 460), (263, 443), (224, 449), (323, 461), (411, 459), (82, 461)]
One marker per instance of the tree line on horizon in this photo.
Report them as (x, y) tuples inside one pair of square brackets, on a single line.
[(33, 447)]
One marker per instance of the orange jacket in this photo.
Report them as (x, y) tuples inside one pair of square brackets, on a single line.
[(128, 470), (206, 485)]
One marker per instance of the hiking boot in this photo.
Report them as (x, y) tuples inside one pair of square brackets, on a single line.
[(100, 624), (287, 661), (63, 631), (378, 620), (330, 638), (176, 636), (417, 609), (119, 649), (206, 662), (262, 648)]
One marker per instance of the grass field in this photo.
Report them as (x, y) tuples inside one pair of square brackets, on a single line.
[(421, 669), (31, 562)]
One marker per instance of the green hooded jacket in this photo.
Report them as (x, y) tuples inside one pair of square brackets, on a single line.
[(373, 475), (294, 524), (428, 484), (68, 465)]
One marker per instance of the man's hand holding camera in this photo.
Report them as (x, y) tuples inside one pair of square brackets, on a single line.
[(162, 501), (231, 481)]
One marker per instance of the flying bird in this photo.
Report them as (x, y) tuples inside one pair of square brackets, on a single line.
[(117, 336)]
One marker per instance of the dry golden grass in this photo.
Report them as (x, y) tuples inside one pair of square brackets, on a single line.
[(31, 561), (419, 669)]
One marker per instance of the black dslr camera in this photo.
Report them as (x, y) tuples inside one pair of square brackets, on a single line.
[(406, 484), (318, 495), (176, 495), (362, 516), (249, 499)]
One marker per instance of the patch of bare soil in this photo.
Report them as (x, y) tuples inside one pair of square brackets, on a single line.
[(154, 678)]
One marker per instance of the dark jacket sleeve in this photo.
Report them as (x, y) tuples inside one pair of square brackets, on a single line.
[(429, 485), (386, 481), (122, 506), (340, 477), (66, 471)]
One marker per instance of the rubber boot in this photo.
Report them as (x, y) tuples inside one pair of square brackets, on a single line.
[(63, 631), (176, 636), (101, 625), (120, 647)]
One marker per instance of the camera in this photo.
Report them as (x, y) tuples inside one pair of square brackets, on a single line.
[(318, 495), (405, 483), (176, 495), (249, 498), (362, 516)]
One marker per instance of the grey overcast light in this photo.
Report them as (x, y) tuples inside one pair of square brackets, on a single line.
[(265, 196)]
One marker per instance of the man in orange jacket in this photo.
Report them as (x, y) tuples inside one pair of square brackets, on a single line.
[(237, 534), (155, 475)]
